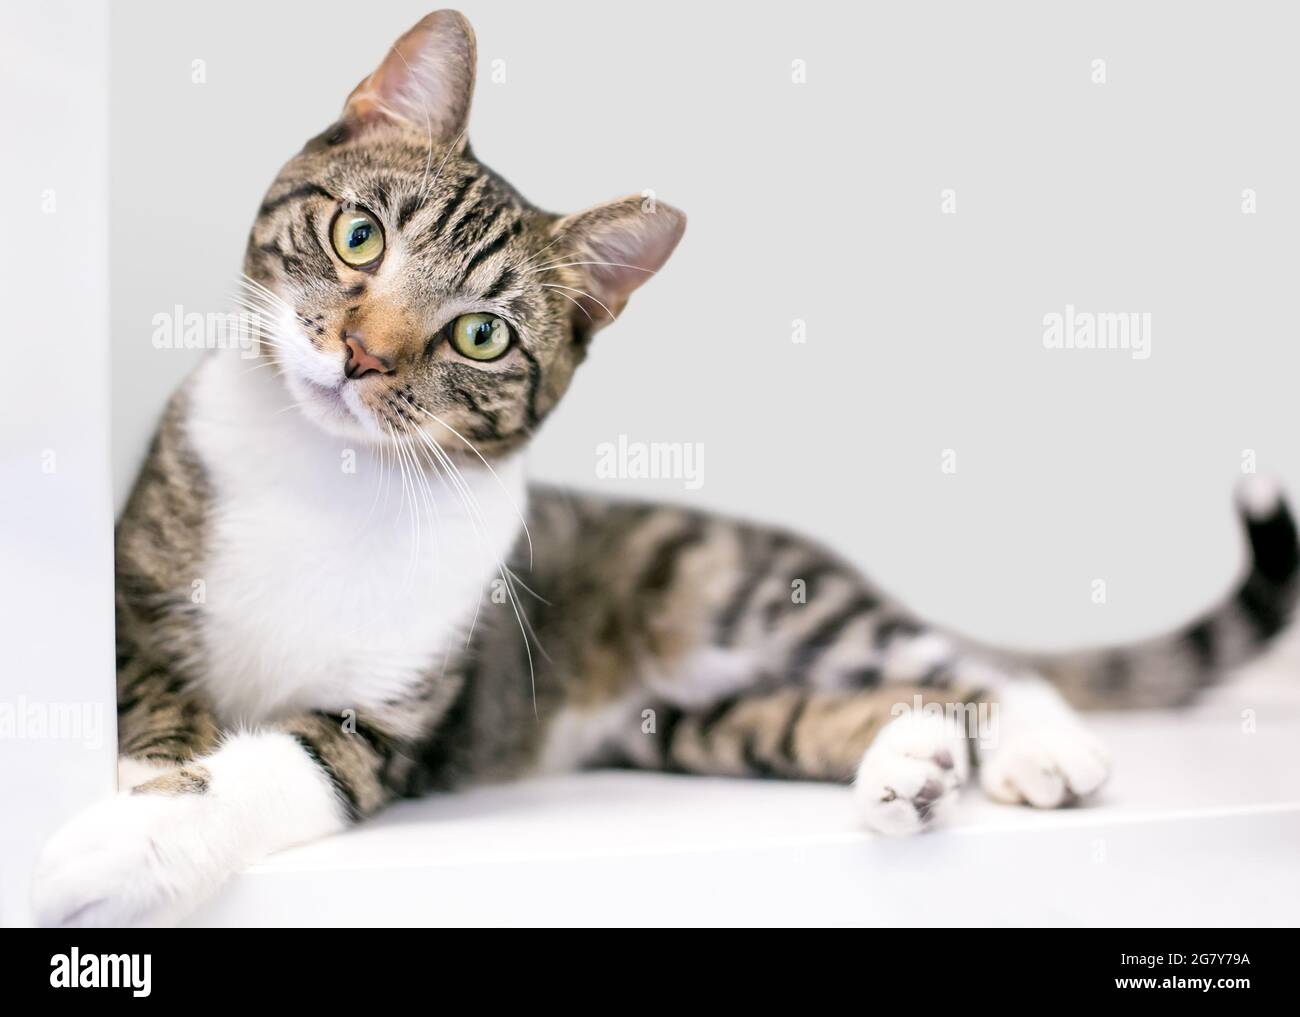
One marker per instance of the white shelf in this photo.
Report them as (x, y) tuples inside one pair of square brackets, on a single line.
[(1200, 826)]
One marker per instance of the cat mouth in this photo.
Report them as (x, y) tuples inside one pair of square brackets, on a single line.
[(332, 401)]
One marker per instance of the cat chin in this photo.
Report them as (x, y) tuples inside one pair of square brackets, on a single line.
[(336, 411)]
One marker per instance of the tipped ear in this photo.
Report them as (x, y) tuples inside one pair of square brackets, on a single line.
[(425, 81), (618, 246)]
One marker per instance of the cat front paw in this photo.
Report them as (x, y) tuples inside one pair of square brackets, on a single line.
[(1047, 768), (133, 859), (909, 778)]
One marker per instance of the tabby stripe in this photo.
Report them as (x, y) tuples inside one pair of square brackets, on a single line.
[(409, 207), (1259, 602), (491, 248), (1201, 639), (715, 714), (379, 744), (482, 221), (670, 717), (490, 213), (827, 634), (308, 232), (386, 186), (785, 746), (310, 249), (467, 397), (498, 285), (289, 261), (438, 753), (747, 587), (534, 383), (301, 191), (341, 787), (891, 628), (758, 766), (519, 306), (937, 677), (134, 688), (658, 575), (449, 208), (157, 757), (818, 571), (137, 746), (772, 612), (864, 678)]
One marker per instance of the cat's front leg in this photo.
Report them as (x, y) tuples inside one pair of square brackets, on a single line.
[(151, 854), (1039, 751)]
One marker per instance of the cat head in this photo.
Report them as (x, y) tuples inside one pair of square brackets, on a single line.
[(408, 287)]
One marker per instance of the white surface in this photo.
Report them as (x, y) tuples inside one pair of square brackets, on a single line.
[(1199, 826)]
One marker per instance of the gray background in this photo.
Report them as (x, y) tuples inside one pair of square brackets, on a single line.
[(821, 202)]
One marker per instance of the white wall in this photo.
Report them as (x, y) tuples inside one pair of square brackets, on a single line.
[(57, 718)]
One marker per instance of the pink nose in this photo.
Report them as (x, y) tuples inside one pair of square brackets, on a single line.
[(360, 361)]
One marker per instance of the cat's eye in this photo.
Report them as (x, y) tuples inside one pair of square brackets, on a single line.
[(357, 238), (480, 336)]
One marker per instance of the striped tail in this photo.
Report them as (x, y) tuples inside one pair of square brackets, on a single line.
[(1170, 670)]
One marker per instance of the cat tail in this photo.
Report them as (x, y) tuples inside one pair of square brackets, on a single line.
[(1170, 670)]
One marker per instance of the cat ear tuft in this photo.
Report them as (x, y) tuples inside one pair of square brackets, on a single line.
[(426, 81), (623, 243)]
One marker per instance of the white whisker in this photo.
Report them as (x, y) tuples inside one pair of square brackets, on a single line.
[(470, 445), (572, 289), (610, 264)]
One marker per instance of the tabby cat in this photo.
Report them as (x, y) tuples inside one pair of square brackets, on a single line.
[(335, 587)]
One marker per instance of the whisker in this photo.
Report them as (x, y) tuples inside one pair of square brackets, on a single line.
[(609, 264), (430, 503), (572, 289), (577, 305), (533, 257), (527, 588), (471, 505), (415, 539), (501, 484)]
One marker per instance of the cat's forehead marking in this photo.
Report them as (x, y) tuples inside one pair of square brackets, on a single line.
[(459, 222)]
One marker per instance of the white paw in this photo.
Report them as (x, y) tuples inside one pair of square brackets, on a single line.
[(909, 778), (133, 859), (1048, 767)]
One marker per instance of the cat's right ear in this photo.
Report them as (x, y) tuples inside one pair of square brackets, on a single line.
[(426, 81)]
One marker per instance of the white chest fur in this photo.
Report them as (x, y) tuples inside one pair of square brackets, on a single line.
[(328, 583)]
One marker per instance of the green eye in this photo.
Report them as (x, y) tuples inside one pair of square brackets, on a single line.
[(357, 238), (480, 336)]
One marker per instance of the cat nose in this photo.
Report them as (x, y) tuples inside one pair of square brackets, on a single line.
[(361, 362)]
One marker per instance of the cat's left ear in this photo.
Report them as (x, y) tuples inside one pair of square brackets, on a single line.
[(616, 247), (426, 81)]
